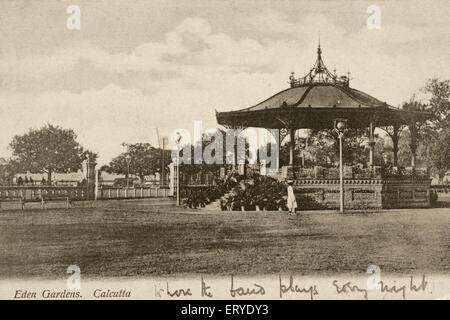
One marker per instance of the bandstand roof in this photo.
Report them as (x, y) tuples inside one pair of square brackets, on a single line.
[(314, 101)]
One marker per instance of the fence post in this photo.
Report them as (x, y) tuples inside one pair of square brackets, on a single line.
[(90, 178)]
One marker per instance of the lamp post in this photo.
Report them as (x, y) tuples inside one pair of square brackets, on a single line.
[(163, 174), (177, 141), (339, 127), (128, 160)]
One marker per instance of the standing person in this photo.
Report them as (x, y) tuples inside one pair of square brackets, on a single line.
[(291, 201)]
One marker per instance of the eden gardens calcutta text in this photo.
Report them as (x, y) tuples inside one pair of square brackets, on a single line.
[(286, 287)]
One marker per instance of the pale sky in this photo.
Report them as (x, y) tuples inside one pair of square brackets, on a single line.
[(137, 65)]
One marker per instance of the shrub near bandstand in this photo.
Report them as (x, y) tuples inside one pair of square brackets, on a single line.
[(256, 193), (198, 196)]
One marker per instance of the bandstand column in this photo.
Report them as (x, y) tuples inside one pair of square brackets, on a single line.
[(395, 138), (237, 131), (280, 139), (371, 142), (279, 136), (279, 149), (235, 150), (292, 146), (235, 135), (413, 145)]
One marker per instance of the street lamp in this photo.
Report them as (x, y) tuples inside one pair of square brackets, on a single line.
[(163, 173), (339, 127), (128, 160), (177, 141)]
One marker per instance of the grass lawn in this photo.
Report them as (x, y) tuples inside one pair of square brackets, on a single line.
[(153, 238)]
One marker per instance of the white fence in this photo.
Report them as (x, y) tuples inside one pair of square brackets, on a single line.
[(132, 193)]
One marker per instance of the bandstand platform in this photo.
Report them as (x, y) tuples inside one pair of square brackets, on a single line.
[(320, 189)]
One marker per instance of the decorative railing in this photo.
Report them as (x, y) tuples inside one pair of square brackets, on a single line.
[(441, 188), (30, 193), (37, 192), (298, 82), (355, 172)]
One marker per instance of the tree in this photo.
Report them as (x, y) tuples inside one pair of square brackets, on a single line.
[(439, 102), (144, 159), (434, 136), (438, 154), (48, 149), (8, 170)]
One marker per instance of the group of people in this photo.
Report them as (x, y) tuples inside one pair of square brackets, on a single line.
[(25, 181)]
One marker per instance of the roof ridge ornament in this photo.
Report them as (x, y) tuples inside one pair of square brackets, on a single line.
[(319, 73)]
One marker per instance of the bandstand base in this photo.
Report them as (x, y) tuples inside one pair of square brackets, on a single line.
[(363, 193)]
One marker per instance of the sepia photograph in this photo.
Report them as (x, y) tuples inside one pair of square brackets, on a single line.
[(224, 149)]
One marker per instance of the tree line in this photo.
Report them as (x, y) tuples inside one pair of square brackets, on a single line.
[(53, 149)]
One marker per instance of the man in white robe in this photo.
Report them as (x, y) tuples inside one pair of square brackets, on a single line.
[(291, 201)]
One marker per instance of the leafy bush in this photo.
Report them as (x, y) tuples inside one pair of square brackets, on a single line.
[(199, 196), (235, 193), (194, 197), (259, 191)]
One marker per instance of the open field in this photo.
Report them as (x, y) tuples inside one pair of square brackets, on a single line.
[(152, 237)]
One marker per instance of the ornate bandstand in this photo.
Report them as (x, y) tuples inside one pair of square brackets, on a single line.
[(319, 100)]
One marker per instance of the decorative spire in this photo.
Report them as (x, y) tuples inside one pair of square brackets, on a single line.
[(319, 73), (319, 41), (319, 54)]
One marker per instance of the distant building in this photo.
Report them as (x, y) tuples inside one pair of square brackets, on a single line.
[(58, 179), (110, 179)]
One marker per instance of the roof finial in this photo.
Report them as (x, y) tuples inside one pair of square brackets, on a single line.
[(319, 73), (319, 50)]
